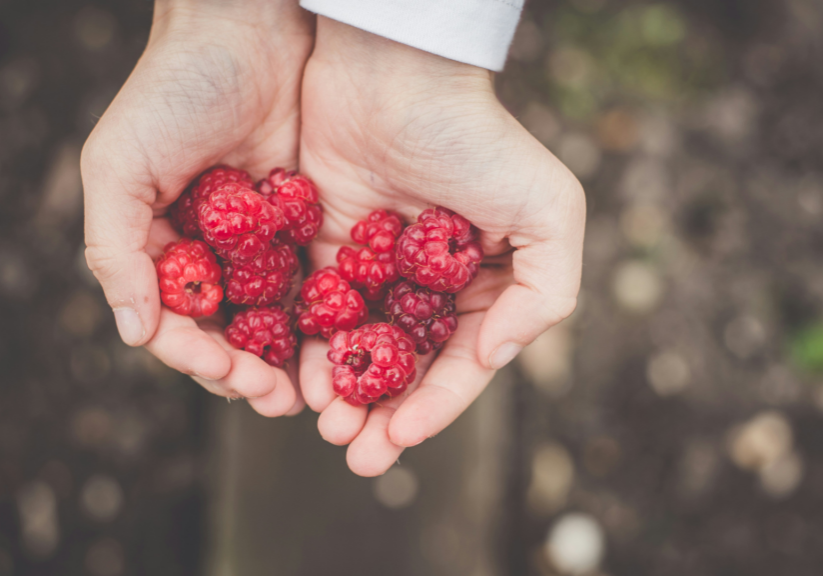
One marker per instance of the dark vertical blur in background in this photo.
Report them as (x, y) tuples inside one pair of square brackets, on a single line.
[(673, 426)]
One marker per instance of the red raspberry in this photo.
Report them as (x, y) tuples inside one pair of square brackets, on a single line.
[(426, 316), (189, 278), (297, 197), (264, 280), (327, 304), (440, 251), (372, 361), (238, 222), (184, 212), (264, 332), (368, 270), (373, 268)]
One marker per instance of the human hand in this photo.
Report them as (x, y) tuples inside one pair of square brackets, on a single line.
[(218, 82), (389, 126)]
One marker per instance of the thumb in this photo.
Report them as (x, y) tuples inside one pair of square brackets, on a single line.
[(118, 216), (547, 265)]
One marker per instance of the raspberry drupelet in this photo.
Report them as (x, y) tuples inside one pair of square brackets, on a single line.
[(264, 280), (265, 332), (440, 251), (239, 223), (371, 362), (372, 268), (297, 197), (327, 303), (184, 212), (428, 317), (189, 278)]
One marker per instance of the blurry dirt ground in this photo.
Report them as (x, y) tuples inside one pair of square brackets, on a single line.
[(672, 427)]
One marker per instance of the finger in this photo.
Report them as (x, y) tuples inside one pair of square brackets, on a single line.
[(181, 344), (340, 422), (315, 374), (299, 402), (547, 275), (118, 216), (268, 389), (453, 382)]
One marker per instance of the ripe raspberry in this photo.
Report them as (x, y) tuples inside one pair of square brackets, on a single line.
[(297, 197), (327, 303), (372, 361), (368, 270), (264, 332), (373, 268), (426, 316), (189, 278), (440, 251), (264, 280), (184, 212), (379, 231), (238, 222)]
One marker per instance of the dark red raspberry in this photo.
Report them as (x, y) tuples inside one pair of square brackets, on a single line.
[(368, 270), (297, 197), (238, 222), (264, 280), (264, 332), (426, 316), (373, 268), (327, 303), (440, 251), (184, 212), (189, 278), (371, 362)]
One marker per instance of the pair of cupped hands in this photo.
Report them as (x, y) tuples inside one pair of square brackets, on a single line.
[(376, 124)]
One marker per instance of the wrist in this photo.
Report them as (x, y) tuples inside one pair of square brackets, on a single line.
[(379, 62)]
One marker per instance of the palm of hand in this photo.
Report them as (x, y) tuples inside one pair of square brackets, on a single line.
[(369, 149), (216, 100)]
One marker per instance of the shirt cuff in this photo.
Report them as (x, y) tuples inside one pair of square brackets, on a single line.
[(476, 32)]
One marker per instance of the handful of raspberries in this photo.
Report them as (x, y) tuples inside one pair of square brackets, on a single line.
[(240, 244)]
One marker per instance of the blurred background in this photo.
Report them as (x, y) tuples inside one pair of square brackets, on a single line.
[(671, 427)]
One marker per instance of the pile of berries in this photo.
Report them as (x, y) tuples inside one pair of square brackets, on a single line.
[(240, 243)]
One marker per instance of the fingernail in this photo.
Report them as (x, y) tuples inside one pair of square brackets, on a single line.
[(129, 325), (504, 354)]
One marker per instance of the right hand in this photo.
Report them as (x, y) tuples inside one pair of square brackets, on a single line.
[(219, 82)]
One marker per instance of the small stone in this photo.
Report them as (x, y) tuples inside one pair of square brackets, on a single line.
[(617, 130), (570, 67), (547, 360), (552, 479), (744, 336), (643, 225), (601, 456), (94, 28), (575, 544), (37, 505), (646, 180), (637, 286), (760, 442), (91, 427), (668, 373), (102, 498), (81, 314), (397, 488)]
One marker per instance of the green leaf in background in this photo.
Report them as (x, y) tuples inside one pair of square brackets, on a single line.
[(806, 349)]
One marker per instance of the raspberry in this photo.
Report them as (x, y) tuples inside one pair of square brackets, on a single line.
[(264, 332), (327, 303), (189, 278), (374, 267), (184, 212), (426, 316), (440, 251), (264, 280), (379, 231), (364, 268), (238, 222), (297, 197), (372, 361)]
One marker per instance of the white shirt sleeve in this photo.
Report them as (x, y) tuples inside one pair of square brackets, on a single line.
[(476, 32)]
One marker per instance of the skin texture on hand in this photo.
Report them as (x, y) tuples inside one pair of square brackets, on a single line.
[(388, 126), (218, 82)]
